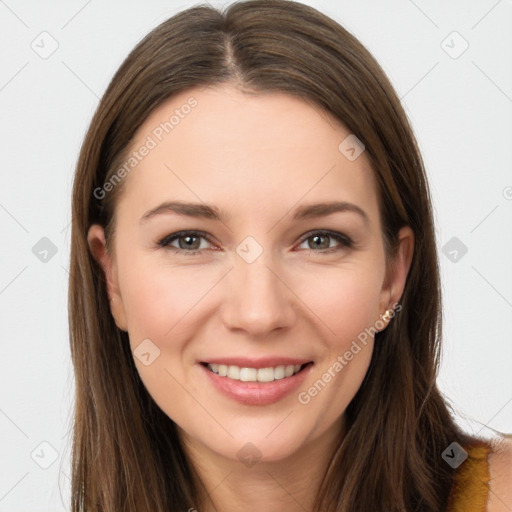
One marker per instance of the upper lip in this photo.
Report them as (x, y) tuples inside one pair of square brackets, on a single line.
[(262, 362)]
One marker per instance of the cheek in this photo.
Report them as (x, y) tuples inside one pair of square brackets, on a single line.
[(347, 304), (158, 298), (345, 300), (159, 303)]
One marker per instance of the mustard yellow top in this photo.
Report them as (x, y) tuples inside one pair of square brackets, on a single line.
[(471, 484), (470, 489)]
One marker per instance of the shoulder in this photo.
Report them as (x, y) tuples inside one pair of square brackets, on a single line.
[(500, 469)]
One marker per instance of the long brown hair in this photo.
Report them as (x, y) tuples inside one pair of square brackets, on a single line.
[(126, 452)]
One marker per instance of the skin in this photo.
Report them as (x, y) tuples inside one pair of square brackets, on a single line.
[(256, 157), (500, 472)]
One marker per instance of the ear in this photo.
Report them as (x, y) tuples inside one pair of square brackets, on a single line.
[(98, 248), (397, 271)]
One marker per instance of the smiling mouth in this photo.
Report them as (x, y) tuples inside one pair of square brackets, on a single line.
[(244, 374)]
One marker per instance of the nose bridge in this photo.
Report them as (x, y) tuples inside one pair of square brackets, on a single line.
[(258, 301)]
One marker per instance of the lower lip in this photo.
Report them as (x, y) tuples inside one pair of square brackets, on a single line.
[(257, 393)]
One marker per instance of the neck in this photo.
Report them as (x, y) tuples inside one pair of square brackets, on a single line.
[(289, 484)]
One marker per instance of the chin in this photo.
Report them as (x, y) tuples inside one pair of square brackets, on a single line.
[(262, 444)]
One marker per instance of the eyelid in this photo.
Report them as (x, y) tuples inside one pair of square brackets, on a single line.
[(165, 242), (178, 234), (343, 239)]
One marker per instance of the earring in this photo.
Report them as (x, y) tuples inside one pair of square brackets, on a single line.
[(388, 315)]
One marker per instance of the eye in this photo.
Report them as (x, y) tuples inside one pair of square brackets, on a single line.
[(318, 238), (191, 244), (190, 241)]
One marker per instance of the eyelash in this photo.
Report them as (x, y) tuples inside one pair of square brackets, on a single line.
[(344, 240)]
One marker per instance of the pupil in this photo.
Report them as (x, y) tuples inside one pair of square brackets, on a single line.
[(317, 238), (189, 240)]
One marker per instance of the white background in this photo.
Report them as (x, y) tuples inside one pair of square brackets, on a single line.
[(460, 109)]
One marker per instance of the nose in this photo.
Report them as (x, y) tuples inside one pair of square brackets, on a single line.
[(257, 299)]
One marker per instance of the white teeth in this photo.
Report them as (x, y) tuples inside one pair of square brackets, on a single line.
[(234, 372), (279, 372), (254, 374), (265, 375), (248, 374)]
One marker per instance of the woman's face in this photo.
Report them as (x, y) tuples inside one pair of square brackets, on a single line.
[(260, 286)]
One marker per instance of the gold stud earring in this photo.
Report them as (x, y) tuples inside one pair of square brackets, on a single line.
[(388, 315)]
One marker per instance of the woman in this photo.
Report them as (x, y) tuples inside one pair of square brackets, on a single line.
[(254, 296)]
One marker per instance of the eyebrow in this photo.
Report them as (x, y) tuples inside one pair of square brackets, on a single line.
[(206, 211)]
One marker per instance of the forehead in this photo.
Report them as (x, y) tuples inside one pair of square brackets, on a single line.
[(218, 143)]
